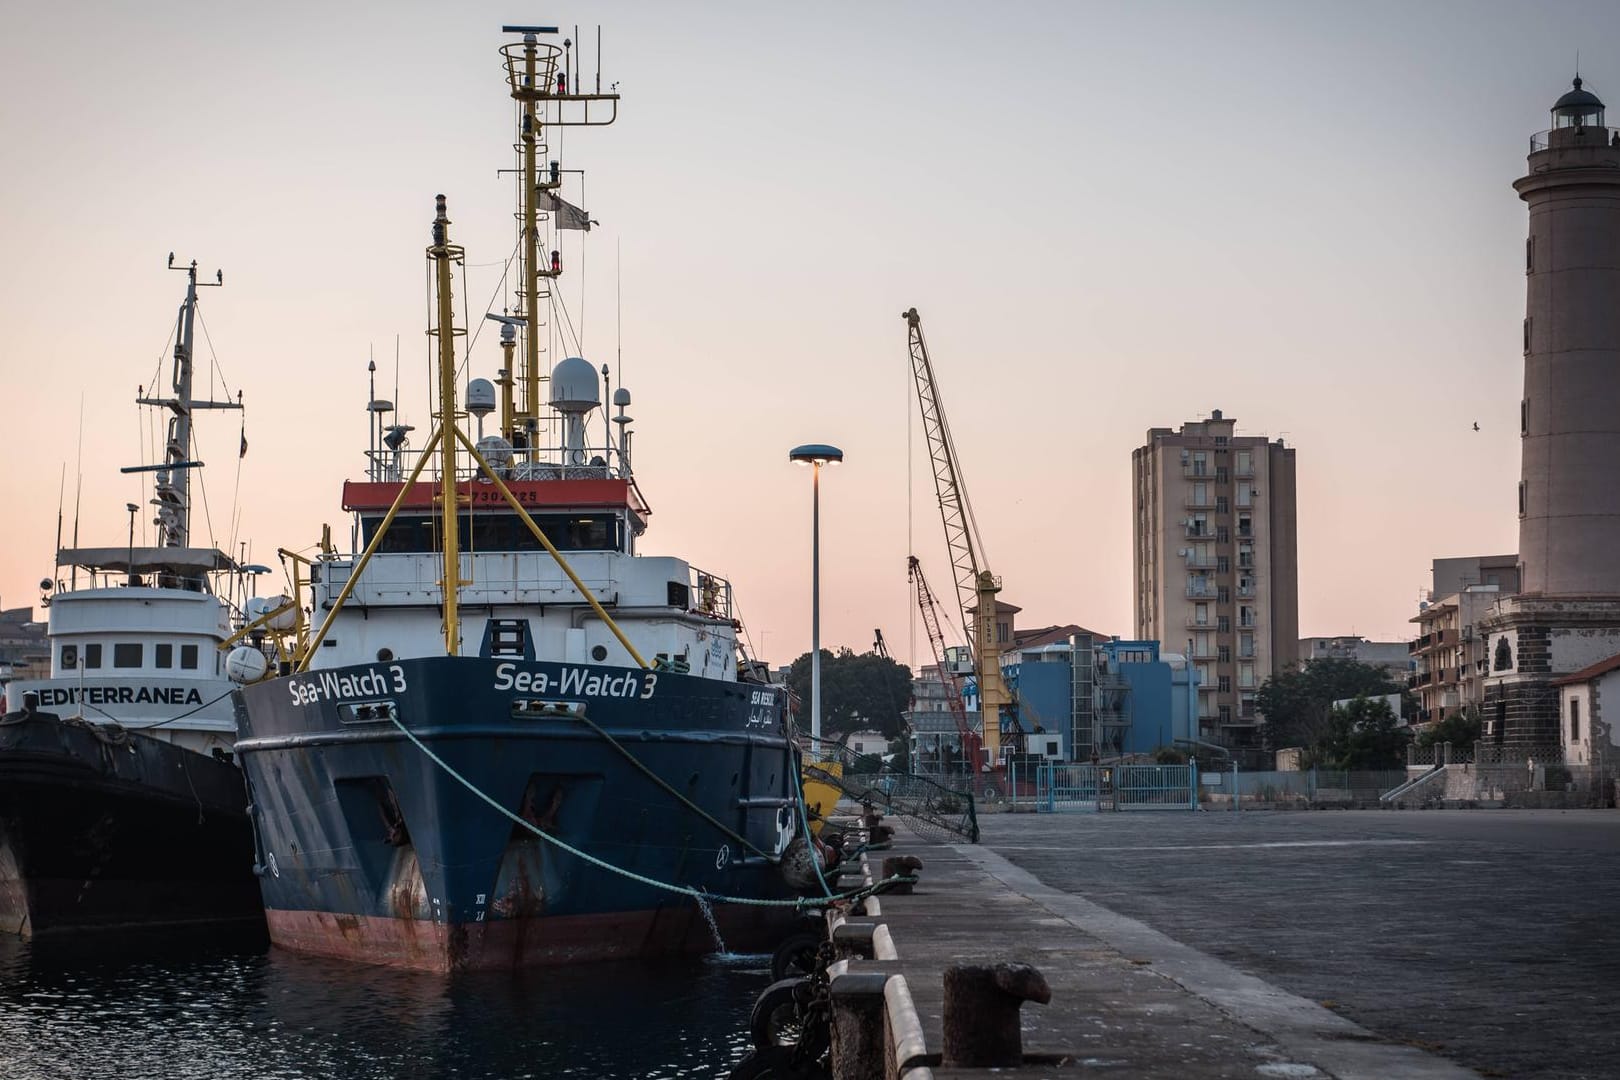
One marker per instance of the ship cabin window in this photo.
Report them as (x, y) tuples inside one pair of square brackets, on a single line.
[(188, 657), (92, 655), (163, 655), (127, 654), (502, 532)]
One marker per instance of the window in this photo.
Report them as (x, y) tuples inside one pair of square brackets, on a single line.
[(1527, 333), (1521, 498), (1201, 614), (127, 654), (1200, 464), (92, 655), (1224, 684), (1198, 525), (1245, 525), (1245, 615), (1244, 495), (1223, 565), (1246, 675), (1222, 534), (1223, 595), (1574, 719), (1529, 254), (1001, 633), (1224, 654), (1524, 417), (1221, 474), (1226, 714), (1245, 462), (1220, 440), (1223, 624), (70, 657), (1245, 644), (188, 657), (163, 655)]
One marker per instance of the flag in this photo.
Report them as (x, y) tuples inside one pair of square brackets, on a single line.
[(567, 215), (242, 453)]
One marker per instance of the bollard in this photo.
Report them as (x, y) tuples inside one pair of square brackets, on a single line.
[(857, 1026), (901, 864), (981, 1013), (854, 941)]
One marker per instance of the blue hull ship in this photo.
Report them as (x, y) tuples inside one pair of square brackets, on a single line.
[(512, 738), (371, 850)]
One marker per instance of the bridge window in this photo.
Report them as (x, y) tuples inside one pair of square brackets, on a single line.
[(92, 655), (127, 654), (163, 655), (188, 657), (501, 532)]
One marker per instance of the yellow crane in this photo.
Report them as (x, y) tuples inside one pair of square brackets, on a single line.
[(976, 586)]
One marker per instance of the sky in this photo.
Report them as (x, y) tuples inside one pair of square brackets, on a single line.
[(1111, 217)]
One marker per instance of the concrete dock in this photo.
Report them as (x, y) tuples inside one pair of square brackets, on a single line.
[(1125, 1000)]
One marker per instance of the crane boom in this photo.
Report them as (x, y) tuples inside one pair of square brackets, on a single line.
[(953, 690), (976, 586)]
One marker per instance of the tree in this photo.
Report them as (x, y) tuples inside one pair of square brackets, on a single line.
[(1462, 728), (1296, 704), (858, 690), (1364, 735)]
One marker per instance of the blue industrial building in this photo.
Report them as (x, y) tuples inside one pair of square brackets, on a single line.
[(1096, 696)]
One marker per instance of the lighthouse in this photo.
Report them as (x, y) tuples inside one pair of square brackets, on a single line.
[(1569, 485), (1567, 615)]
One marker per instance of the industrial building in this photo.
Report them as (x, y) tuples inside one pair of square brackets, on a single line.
[(1216, 565)]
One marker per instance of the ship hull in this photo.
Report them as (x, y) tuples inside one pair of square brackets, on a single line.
[(373, 851), (103, 829)]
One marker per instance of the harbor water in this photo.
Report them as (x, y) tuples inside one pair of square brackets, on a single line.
[(171, 1010)]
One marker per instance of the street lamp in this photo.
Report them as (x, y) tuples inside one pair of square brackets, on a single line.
[(815, 455)]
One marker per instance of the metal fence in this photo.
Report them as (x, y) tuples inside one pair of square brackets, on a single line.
[(1091, 788)]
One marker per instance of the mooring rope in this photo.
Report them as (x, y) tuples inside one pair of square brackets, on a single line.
[(688, 803), (602, 864)]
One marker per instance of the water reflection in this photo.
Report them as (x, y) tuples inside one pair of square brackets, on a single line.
[(226, 1012)]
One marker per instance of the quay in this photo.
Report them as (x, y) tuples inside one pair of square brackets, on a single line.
[(1125, 1000)]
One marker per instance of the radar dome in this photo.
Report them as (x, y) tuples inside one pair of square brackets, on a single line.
[(621, 397), (575, 386), (246, 664), (480, 397)]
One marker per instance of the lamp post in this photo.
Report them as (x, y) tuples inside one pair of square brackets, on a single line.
[(815, 455)]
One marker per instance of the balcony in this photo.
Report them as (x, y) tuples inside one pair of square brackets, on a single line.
[(1198, 530), (1194, 501), (1246, 591), (1201, 592), (1439, 639), (1201, 562), (1197, 470)]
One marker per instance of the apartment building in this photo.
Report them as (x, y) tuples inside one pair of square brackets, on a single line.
[(1450, 658), (1216, 563), (1393, 656)]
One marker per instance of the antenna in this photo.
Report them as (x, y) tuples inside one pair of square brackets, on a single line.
[(78, 487)]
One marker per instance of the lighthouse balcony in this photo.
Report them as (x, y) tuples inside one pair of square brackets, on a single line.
[(1559, 138)]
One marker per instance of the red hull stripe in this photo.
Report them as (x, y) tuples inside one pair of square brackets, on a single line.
[(506, 944)]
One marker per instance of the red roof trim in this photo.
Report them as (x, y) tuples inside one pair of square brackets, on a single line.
[(1590, 672), (536, 494)]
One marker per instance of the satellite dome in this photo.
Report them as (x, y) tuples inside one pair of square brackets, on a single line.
[(621, 397), (480, 397), (495, 450), (575, 386)]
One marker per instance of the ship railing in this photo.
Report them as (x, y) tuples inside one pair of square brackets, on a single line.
[(710, 593), (594, 463)]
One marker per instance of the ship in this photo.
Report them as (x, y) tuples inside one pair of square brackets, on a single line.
[(121, 807), (508, 738)]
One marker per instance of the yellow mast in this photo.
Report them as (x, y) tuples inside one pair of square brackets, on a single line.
[(531, 246), (442, 254)]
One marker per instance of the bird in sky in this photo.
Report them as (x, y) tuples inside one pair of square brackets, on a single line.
[(1476, 425)]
